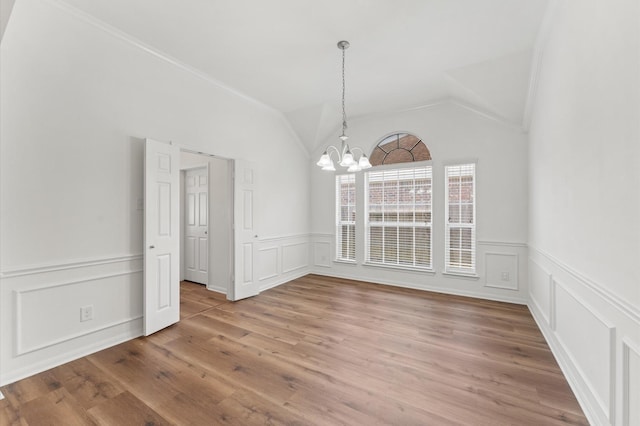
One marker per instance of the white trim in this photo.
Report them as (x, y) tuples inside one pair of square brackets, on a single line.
[(627, 347), (548, 316), (282, 238), (80, 280), (277, 251), (74, 264), (454, 274), (552, 303), (328, 262), (406, 268), (320, 235), (48, 363), (341, 261), (284, 279), (568, 368), (22, 351), (295, 268), (516, 280), (608, 407), (501, 244), (19, 350), (217, 289), (439, 290), (622, 305)]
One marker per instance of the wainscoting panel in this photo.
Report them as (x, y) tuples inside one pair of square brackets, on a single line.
[(594, 336), (540, 290), (55, 304), (268, 257), (501, 270), (589, 341), (281, 259), (322, 254), (40, 306), (295, 256), (631, 384), (494, 259)]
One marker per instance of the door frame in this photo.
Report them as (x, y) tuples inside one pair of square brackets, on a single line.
[(183, 222), (234, 235), (231, 241)]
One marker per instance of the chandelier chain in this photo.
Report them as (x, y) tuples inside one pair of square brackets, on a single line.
[(344, 113)]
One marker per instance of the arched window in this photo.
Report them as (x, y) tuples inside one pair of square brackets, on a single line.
[(399, 148), (398, 204)]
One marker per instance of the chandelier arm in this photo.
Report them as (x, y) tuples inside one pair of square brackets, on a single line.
[(354, 149), (330, 147)]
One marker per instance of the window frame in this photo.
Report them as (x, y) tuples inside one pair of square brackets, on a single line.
[(398, 224), (340, 223), (459, 269)]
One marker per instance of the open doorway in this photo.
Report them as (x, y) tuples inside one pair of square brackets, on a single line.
[(232, 203), (206, 221)]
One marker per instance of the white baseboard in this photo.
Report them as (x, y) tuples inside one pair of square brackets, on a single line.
[(405, 284), (134, 331)]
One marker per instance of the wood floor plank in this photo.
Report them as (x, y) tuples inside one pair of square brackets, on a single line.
[(9, 415), (57, 407), (314, 351), (125, 409)]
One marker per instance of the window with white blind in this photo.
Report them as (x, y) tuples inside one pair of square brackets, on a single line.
[(460, 219), (346, 217), (398, 217)]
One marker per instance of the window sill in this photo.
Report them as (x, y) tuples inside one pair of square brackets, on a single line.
[(345, 262), (400, 268), (465, 275)]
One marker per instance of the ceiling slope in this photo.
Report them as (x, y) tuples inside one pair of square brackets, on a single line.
[(283, 53)]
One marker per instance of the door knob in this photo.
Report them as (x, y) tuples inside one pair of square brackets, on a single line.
[(206, 232), (152, 247)]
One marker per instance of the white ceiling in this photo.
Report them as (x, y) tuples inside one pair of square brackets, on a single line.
[(404, 53)]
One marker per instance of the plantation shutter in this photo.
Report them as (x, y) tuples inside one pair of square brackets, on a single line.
[(398, 228), (460, 219), (346, 217)]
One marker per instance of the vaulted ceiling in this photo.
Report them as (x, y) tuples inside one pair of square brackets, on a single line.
[(403, 54)]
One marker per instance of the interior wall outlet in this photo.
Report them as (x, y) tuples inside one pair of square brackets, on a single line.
[(86, 313), (505, 276)]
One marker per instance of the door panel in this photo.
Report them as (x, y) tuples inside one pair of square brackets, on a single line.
[(196, 227), (203, 252), (161, 236), (245, 232)]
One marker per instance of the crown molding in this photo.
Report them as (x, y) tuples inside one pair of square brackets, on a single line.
[(139, 44)]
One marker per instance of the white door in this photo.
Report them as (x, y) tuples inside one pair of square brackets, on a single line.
[(196, 239), (161, 236), (245, 283)]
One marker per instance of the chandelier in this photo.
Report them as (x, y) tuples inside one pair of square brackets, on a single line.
[(345, 154)]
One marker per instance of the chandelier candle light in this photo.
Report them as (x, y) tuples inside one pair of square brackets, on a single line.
[(345, 155)]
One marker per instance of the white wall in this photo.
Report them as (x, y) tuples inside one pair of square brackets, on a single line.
[(584, 204), (453, 133), (77, 102)]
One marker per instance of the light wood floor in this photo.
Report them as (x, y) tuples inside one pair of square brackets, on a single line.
[(319, 351)]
